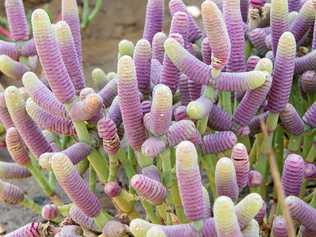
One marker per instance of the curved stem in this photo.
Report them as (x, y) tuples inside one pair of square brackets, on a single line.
[(28, 203)]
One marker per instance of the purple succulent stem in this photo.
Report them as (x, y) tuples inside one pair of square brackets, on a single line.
[(282, 73), (13, 171), (304, 21), (305, 63), (310, 115), (82, 219), (27, 48), (69, 54), (51, 57), (241, 162), (189, 181), (219, 120), (30, 133), (244, 5), (154, 19), (70, 14), (181, 131), (50, 212), (108, 92), (225, 179), (153, 146), (155, 71), (157, 46), (148, 188), (294, 5), (108, 132), (293, 174), (250, 104), (302, 212), (180, 113), (74, 186), (218, 142), (170, 74), (194, 89), (48, 121), (77, 152), (151, 172), (146, 106), (19, 29), (206, 51), (142, 59), (291, 120), (252, 62), (30, 230), (4, 113), (257, 38), (310, 171), (279, 22), (255, 122), (194, 32), (308, 82), (184, 90), (16, 147), (234, 24), (128, 94), (279, 227), (114, 112), (42, 96), (9, 49)]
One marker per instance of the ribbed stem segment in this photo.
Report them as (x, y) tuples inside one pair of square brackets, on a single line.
[(181, 131), (19, 29), (218, 142), (189, 180), (235, 28), (142, 59), (279, 21), (226, 222), (70, 14), (13, 171), (48, 121), (225, 179), (217, 34), (11, 68), (28, 130), (293, 175), (282, 73), (128, 94), (154, 19), (310, 115), (51, 57), (68, 51)]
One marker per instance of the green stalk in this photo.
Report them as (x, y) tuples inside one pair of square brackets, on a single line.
[(209, 163), (102, 218), (311, 154), (245, 140), (171, 184), (30, 204), (114, 165), (150, 212), (125, 202), (142, 160), (225, 101), (85, 14), (96, 9), (278, 147), (52, 179), (96, 160), (82, 166), (253, 151), (295, 143), (92, 179), (126, 163), (64, 209), (247, 49)]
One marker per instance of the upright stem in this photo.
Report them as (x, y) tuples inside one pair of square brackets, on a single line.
[(171, 183), (126, 163), (114, 165), (150, 212), (96, 9), (92, 179), (85, 14), (225, 101), (102, 218)]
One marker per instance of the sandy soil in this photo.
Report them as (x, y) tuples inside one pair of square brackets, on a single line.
[(117, 20)]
